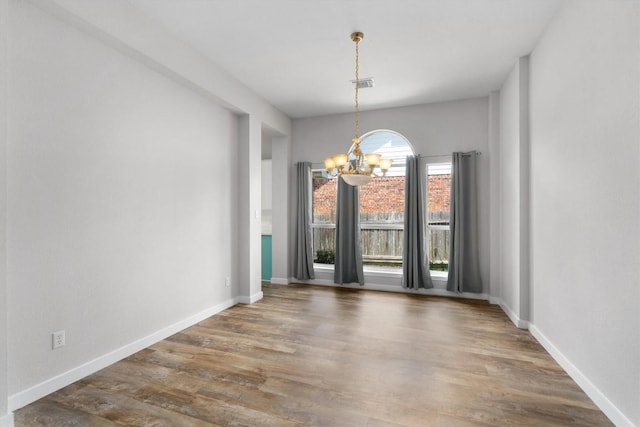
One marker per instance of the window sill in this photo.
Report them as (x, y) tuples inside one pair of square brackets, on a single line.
[(381, 279), (382, 272)]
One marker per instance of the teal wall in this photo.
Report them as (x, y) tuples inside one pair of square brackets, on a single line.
[(266, 257)]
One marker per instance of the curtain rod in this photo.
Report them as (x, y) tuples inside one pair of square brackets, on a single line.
[(450, 154), (314, 165)]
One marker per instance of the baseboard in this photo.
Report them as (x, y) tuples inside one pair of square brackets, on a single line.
[(520, 324), (51, 385), (495, 300), (605, 405), (250, 300), (279, 281), (6, 420), (321, 282)]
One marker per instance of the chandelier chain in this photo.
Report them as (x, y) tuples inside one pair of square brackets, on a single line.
[(357, 83)]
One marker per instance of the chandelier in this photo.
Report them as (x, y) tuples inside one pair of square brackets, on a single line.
[(356, 168)]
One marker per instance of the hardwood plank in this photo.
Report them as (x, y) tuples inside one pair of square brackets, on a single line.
[(307, 356)]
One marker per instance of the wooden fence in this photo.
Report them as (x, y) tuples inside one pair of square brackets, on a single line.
[(382, 238)]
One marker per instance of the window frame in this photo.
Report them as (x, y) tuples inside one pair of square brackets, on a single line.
[(327, 226), (396, 226), (432, 161)]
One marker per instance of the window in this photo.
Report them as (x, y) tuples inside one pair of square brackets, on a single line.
[(438, 198), (323, 221), (382, 202), (382, 208)]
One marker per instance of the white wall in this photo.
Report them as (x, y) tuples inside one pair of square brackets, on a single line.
[(124, 27), (585, 199), (249, 210), (513, 186), (494, 197), (432, 129), (281, 166), (4, 9), (119, 199)]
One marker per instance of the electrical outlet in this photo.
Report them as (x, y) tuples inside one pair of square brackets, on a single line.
[(227, 281), (58, 339)]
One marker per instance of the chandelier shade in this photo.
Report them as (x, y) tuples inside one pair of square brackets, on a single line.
[(357, 179), (355, 167)]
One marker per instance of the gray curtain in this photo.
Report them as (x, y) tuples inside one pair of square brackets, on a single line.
[(303, 254), (348, 264), (415, 263), (464, 270)]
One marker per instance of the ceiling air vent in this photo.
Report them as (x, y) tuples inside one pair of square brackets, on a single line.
[(364, 83)]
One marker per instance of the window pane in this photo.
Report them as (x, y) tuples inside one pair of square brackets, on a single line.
[(323, 199), (382, 202), (382, 221), (324, 192), (439, 193), (439, 249), (439, 187), (323, 245), (389, 145)]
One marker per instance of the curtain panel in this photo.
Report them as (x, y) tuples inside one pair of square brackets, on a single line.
[(415, 263), (303, 253), (348, 263), (464, 270)]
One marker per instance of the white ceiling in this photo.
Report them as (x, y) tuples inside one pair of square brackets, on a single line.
[(298, 54)]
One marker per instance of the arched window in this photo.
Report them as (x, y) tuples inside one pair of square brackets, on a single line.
[(390, 145), (381, 205), (382, 201)]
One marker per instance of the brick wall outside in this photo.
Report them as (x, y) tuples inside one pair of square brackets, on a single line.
[(439, 193), (383, 195), (324, 199)]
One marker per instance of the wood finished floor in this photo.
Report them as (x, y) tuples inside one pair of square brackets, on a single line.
[(307, 356)]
